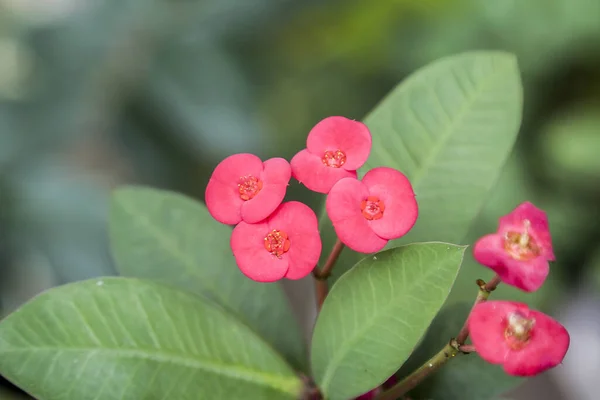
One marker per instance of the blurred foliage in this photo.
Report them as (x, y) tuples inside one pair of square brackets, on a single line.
[(594, 269), (97, 93)]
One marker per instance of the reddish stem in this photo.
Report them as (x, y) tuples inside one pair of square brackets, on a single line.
[(321, 286), (467, 348)]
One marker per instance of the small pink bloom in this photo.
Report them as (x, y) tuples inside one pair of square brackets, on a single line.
[(367, 214), (335, 148), (524, 341), (286, 244), (520, 250), (243, 188)]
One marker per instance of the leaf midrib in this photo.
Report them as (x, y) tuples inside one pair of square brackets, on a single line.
[(428, 161), (335, 360), (289, 385)]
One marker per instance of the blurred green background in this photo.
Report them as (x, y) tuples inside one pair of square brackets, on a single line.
[(96, 93)]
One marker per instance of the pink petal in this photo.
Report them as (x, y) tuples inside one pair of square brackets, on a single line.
[(539, 226), (545, 349), (303, 255), (525, 275), (247, 244), (487, 326), (294, 217), (222, 196), (528, 276), (396, 192), (343, 209), (232, 168), (489, 251), (300, 223), (275, 177), (223, 202), (309, 170), (276, 171), (340, 133)]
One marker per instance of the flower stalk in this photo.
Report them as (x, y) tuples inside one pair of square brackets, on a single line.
[(321, 285), (484, 292)]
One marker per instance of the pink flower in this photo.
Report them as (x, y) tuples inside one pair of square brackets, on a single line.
[(243, 188), (367, 214), (335, 148), (287, 244), (519, 252), (524, 341)]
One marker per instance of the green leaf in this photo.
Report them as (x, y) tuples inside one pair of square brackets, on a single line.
[(466, 377), (168, 237), (123, 338), (377, 312), (449, 127)]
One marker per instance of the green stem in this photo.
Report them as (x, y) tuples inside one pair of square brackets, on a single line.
[(484, 292), (408, 383)]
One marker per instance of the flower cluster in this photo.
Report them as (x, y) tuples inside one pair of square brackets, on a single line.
[(272, 240), (526, 342)]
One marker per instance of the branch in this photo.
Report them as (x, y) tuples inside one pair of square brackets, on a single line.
[(484, 292), (412, 380)]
